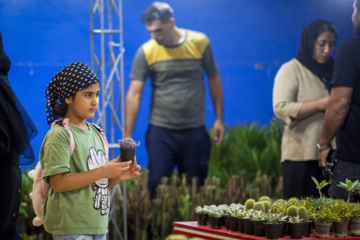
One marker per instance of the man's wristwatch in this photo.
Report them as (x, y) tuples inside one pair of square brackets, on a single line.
[(320, 149)]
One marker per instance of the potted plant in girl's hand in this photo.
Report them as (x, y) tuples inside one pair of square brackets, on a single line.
[(296, 227), (127, 149)]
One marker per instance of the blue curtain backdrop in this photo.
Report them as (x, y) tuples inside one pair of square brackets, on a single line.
[(251, 39)]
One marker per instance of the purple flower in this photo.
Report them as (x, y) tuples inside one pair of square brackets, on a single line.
[(128, 143)]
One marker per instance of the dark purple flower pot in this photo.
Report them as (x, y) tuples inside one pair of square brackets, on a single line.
[(248, 226), (127, 154), (273, 230), (215, 222), (259, 228), (296, 230), (227, 222), (240, 224), (233, 223), (202, 219)]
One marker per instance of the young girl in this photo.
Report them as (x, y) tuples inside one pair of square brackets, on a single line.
[(77, 204)]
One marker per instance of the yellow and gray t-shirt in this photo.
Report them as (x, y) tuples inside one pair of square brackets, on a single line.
[(177, 77), (80, 211)]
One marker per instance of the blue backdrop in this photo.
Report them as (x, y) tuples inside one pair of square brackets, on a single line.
[(251, 39)]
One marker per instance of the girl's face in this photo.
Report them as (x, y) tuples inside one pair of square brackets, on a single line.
[(84, 104), (324, 45)]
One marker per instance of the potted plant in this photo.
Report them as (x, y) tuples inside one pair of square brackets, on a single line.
[(355, 219), (202, 215), (307, 225), (127, 149), (273, 225), (323, 221), (240, 221), (349, 186), (296, 227), (258, 223), (215, 216), (343, 213), (248, 225)]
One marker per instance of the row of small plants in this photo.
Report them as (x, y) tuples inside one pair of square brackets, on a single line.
[(294, 217)]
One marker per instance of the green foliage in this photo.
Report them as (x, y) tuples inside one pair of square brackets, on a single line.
[(320, 186), (279, 206), (295, 219), (292, 211), (274, 217), (264, 198), (249, 204), (341, 209), (349, 186), (325, 215), (259, 206), (267, 206), (248, 149), (303, 214)]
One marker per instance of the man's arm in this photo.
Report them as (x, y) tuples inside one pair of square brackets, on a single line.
[(132, 105), (216, 92), (339, 104)]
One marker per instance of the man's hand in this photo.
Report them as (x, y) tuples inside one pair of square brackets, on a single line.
[(322, 155), (219, 132)]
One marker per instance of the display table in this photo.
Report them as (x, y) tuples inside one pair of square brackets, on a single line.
[(194, 230)]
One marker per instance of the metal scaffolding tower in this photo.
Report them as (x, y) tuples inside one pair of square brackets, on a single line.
[(107, 62)]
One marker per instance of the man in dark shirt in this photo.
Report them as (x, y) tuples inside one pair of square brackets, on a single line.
[(342, 116)]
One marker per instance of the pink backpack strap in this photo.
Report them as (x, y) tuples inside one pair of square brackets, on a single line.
[(106, 144), (65, 124)]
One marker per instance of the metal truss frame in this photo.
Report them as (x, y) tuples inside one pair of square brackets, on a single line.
[(107, 62)]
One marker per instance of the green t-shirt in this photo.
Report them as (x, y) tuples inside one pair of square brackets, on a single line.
[(84, 210)]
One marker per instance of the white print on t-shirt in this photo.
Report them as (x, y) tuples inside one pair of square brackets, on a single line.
[(102, 197)]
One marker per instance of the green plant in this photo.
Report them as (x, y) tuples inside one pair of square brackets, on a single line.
[(320, 186), (341, 209), (259, 206), (267, 205), (349, 186), (249, 204), (215, 213), (274, 217), (292, 211), (325, 215), (264, 198), (295, 219), (303, 214)]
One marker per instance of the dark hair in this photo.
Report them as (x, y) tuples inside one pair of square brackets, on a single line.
[(328, 27), (157, 11), (60, 110)]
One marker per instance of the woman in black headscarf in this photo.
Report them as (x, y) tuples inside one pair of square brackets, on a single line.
[(16, 131), (300, 98)]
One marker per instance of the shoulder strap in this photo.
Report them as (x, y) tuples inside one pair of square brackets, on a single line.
[(65, 124), (101, 131)]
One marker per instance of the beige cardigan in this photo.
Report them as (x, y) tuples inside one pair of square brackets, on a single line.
[(295, 84)]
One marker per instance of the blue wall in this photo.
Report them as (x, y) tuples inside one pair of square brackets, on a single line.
[(42, 36)]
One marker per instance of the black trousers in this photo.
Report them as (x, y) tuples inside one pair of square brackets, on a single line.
[(11, 184), (297, 180)]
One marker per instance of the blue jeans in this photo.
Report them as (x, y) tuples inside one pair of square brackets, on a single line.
[(79, 237), (188, 149)]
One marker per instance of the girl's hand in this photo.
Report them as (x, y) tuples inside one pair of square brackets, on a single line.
[(115, 168), (132, 172)]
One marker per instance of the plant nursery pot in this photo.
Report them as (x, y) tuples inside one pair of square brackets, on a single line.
[(248, 227), (340, 228), (215, 222), (127, 154), (322, 230), (355, 227), (227, 222), (285, 228), (202, 219), (308, 229), (233, 223), (240, 222), (273, 230), (296, 230), (259, 228)]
